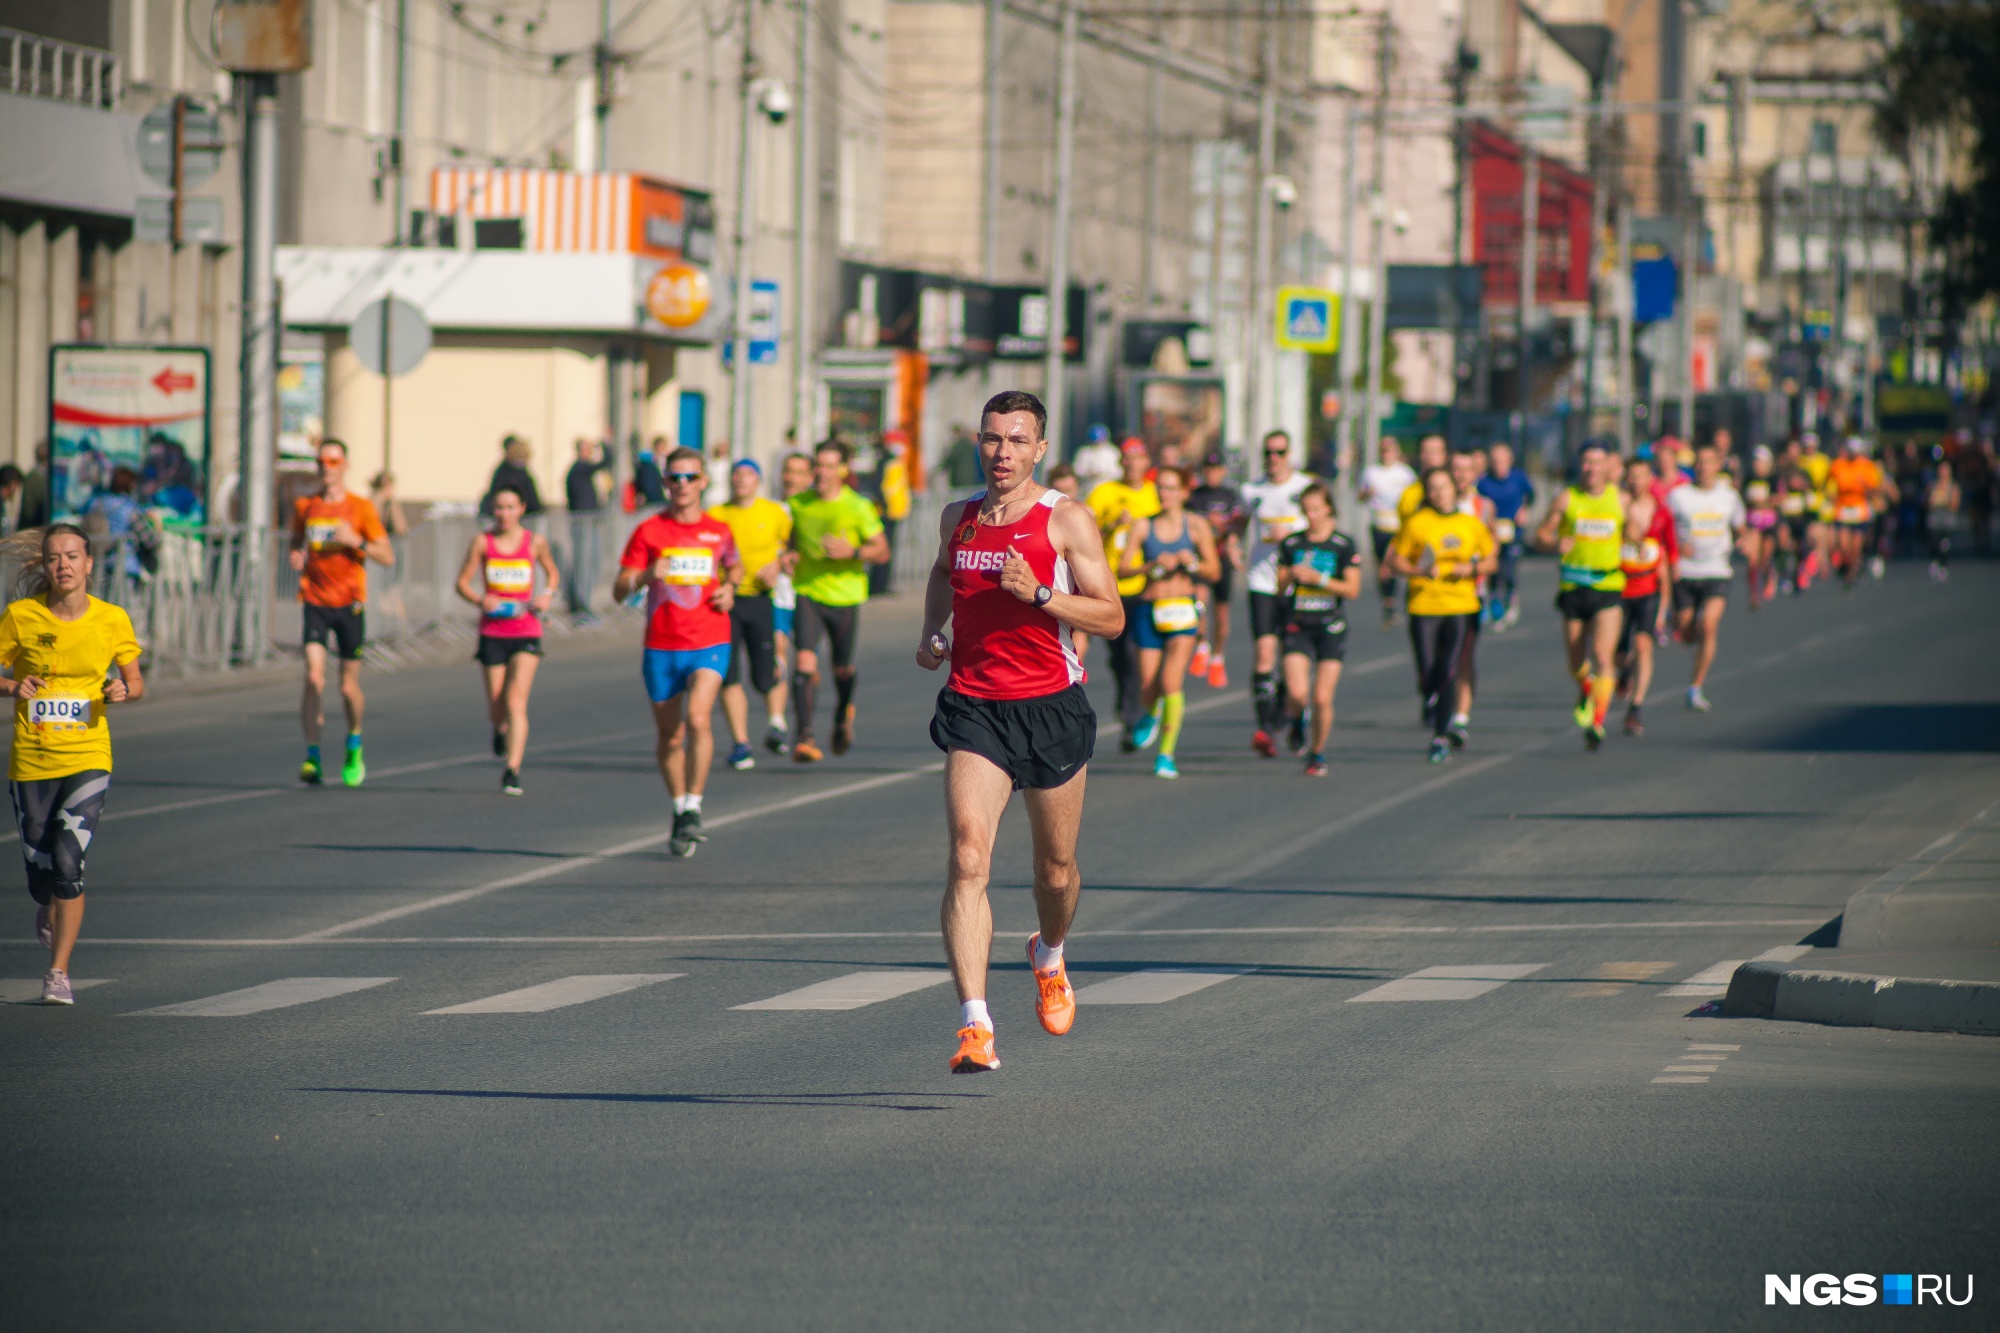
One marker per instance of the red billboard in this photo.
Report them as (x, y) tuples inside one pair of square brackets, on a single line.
[(1562, 221)]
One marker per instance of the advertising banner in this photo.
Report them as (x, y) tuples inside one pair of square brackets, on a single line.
[(128, 426)]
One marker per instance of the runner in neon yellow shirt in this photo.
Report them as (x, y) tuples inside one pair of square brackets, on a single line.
[(836, 534)]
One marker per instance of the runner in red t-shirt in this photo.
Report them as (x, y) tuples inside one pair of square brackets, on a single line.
[(686, 562), (1017, 568), (1648, 550)]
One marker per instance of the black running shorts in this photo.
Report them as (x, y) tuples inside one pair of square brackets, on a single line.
[(1641, 614), (346, 625), (753, 630), (497, 649), (1694, 594), (1583, 603), (1267, 614), (1321, 640), (841, 624), (1039, 743)]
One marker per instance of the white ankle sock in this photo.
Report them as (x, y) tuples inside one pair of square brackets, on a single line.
[(1046, 959), (680, 804), (692, 801), (778, 723), (972, 1014)]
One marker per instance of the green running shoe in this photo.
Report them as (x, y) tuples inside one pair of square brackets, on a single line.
[(355, 769), (1585, 714), (309, 773)]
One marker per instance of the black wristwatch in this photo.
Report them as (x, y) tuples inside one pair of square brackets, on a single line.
[(1043, 594)]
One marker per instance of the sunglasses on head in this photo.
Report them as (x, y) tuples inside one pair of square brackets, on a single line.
[(684, 476)]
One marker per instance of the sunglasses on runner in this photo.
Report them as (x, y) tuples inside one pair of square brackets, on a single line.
[(684, 476)]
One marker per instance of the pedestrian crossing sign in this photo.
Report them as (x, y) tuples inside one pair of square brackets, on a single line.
[(1308, 319)]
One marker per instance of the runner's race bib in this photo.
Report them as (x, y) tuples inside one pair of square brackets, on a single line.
[(1503, 529), (1757, 492), (1314, 602), (1793, 504), (1708, 526), (510, 575), (1172, 615), (1388, 520), (1276, 530), (320, 532), (689, 566), (1597, 528), (1852, 514), (1643, 554), (58, 710)]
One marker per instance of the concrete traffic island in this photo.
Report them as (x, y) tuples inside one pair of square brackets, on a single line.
[(1918, 950)]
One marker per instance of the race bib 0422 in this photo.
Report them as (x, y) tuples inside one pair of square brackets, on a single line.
[(689, 565)]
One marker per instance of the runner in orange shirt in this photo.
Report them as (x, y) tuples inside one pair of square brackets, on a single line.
[(1858, 486), (334, 535)]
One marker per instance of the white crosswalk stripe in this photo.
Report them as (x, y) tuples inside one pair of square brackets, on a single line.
[(280, 994), (1710, 982), (1156, 985), (558, 994), (1460, 981), (28, 990), (853, 991)]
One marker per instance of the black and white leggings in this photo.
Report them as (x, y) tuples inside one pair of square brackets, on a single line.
[(58, 817)]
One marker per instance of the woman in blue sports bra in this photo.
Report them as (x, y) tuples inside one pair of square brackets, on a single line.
[(1175, 550)]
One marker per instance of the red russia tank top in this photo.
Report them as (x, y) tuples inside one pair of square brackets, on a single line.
[(1003, 647), (512, 578)]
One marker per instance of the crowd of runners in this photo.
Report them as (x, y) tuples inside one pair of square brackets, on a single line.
[(761, 593)]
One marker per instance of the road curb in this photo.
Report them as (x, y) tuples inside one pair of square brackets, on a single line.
[(1852, 999)]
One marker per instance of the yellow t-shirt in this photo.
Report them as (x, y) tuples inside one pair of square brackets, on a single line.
[(1110, 501), (62, 729), (762, 529), (1411, 501), (1443, 544)]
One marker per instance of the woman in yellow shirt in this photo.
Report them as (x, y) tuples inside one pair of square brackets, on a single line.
[(60, 644), (1444, 554)]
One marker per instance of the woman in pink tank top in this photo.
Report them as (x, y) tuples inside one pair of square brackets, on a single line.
[(499, 578)]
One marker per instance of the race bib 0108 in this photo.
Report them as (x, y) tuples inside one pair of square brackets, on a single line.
[(1171, 615), (58, 710), (689, 565)]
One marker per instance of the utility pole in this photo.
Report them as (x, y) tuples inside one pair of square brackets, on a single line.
[(1378, 296), (1058, 332), (1623, 291), (1594, 128), (1690, 239), (257, 438), (1257, 352), (1531, 206), (995, 10), (1349, 312), (803, 212), (400, 230), (605, 76), (1155, 112), (1463, 65), (739, 318)]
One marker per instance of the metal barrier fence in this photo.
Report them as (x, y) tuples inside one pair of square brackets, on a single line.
[(187, 593)]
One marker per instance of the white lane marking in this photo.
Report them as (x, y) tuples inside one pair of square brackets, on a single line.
[(1784, 953), (1682, 1078), (1691, 1069), (1454, 982), (28, 990), (1157, 985), (853, 991), (620, 849), (779, 937), (559, 994), (258, 793), (271, 995), (1706, 1046), (1712, 980)]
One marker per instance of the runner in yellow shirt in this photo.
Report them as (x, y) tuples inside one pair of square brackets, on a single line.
[(763, 530), (1444, 554), (1117, 506), (59, 645)]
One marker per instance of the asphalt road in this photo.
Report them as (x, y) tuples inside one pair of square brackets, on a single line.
[(1245, 1132)]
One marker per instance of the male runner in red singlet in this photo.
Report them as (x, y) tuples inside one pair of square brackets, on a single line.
[(1018, 567)]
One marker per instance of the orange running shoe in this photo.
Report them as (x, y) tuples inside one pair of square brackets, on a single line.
[(1199, 666), (975, 1051), (1055, 998), (1218, 675), (805, 752)]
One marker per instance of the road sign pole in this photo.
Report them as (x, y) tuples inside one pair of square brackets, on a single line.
[(180, 162), (257, 440)]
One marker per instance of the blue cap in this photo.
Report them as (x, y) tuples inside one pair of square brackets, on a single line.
[(1100, 434), (750, 463)]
